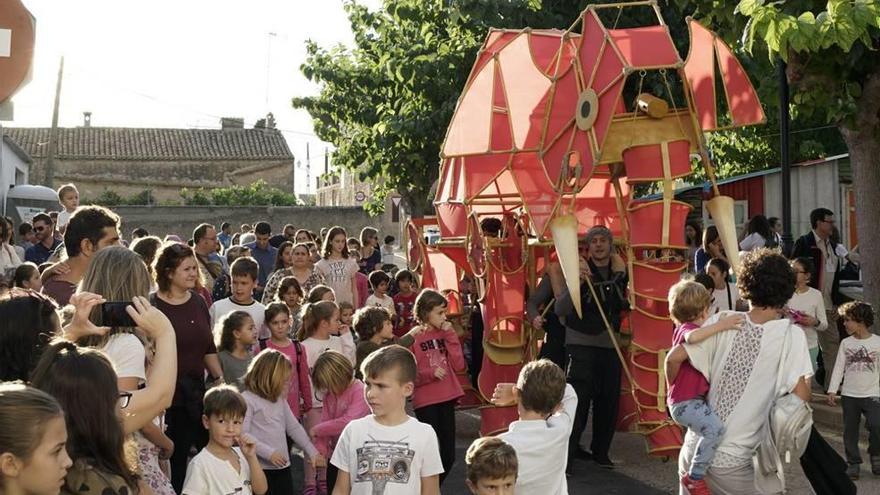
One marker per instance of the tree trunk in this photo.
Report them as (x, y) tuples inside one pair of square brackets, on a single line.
[(418, 204), (863, 140)]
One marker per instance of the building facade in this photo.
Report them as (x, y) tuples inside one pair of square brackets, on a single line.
[(129, 161)]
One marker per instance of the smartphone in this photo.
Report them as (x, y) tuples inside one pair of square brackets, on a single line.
[(113, 314)]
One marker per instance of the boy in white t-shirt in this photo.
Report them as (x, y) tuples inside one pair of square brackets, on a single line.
[(858, 365), (388, 452), (546, 406), (68, 197), (245, 272), (220, 467), (379, 281)]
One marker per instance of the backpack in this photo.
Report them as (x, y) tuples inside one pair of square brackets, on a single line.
[(785, 435)]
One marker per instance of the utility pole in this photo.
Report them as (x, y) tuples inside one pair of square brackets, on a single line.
[(53, 133), (785, 158)]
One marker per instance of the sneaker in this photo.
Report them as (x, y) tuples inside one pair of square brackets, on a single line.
[(695, 487), (875, 464), (852, 470), (603, 462)]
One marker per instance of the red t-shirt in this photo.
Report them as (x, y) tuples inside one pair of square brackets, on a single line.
[(60, 290), (192, 329), (404, 305), (689, 383)]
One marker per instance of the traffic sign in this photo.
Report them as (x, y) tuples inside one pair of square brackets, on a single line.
[(17, 34)]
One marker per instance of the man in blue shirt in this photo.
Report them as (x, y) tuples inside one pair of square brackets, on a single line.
[(263, 253), (45, 241), (225, 236)]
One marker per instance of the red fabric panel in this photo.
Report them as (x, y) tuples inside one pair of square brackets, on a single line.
[(648, 46), (596, 205), (645, 162), (742, 100), (646, 224), (451, 219), (700, 73), (501, 139), (562, 108), (537, 192)]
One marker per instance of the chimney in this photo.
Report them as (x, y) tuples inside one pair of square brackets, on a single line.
[(87, 119), (230, 123)]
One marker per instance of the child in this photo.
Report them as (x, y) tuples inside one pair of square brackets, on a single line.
[(343, 402), (374, 330), (337, 267), (269, 419), (223, 284), (320, 292), (290, 293), (220, 467), (491, 467), (689, 306), (379, 281), (546, 406), (27, 276), (68, 198), (346, 313), (438, 355), (320, 324), (806, 308), (388, 259), (725, 296), (245, 272), (389, 376), (33, 437), (858, 365), (404, 302), (299, 395), (235, 335)]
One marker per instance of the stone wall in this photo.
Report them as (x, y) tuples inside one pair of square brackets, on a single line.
[(181, 220), (165, 179)]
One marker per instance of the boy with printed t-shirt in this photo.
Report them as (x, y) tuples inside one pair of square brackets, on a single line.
[(388, 452), (546, 406), (245, 272), (858, 365)]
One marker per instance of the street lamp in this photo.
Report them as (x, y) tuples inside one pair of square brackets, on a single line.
[(784, 120)]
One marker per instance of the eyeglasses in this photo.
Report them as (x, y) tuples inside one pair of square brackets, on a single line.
[(124, 399)]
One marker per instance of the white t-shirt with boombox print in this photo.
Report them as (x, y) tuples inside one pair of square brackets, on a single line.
[(388, 460)]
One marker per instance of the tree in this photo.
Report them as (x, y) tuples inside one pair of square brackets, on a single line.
[(385, 104), (833, 67)]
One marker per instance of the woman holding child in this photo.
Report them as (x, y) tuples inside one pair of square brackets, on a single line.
[(741, 367)]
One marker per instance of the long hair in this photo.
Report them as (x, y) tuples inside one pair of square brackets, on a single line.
[(317, 293), (224, 331), (333, 372), (709, 236), (24, 272), (312, 316), (761, 225), (116, 274), (287, 284), (327, 249), (24, 414), (366, 234), (84, 383), (28, 321), (698, 237), (147, 247), (426, 301), (268, 374), (279, 257)]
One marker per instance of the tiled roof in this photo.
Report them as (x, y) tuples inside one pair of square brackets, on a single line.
[(129, 143)]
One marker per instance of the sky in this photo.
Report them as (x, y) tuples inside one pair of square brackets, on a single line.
[(180, 63)]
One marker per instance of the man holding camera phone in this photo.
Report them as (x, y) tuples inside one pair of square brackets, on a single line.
[(90, 229)]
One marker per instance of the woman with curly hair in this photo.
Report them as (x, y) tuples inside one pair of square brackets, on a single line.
[(742, 369)]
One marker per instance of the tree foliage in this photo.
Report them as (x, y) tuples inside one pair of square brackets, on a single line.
[(832, 51), (256, 194), (385, 103)]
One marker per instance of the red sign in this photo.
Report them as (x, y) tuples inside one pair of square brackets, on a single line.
[(17, 28)]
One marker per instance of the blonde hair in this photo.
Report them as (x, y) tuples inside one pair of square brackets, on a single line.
[(333, 372), (687, 301), (117, 274), (312, 316), (65, 189), (268, 374)]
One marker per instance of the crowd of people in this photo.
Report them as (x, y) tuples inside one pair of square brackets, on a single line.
[(214, 364)]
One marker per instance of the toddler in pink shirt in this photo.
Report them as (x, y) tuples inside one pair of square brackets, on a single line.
[(689, 305)]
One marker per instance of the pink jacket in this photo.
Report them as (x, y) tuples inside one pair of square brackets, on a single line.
[(337, 412), (437, 348), (300, 384)]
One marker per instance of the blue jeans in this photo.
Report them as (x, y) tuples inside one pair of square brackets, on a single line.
[(698, 417)]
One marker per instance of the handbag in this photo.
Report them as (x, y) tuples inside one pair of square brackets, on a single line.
[(785, 434)]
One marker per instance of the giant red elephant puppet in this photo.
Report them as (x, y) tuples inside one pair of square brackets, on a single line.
[(544, 139)]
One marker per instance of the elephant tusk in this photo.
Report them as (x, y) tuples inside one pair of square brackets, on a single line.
[(565, 231)]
